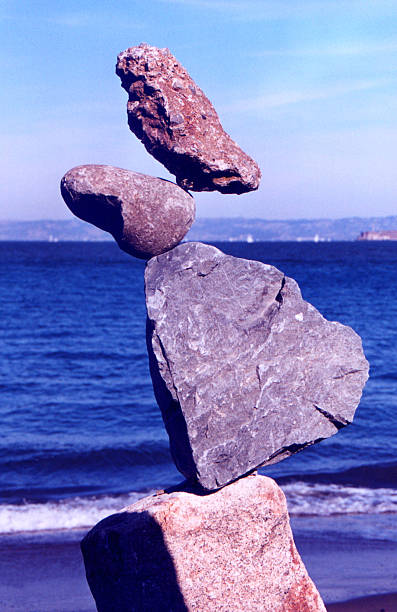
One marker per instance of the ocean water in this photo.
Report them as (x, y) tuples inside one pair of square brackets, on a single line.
[(81, 435)]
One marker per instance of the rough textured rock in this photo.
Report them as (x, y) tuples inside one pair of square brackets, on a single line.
[(229, 551), (145, 215), (244, 370), (179, 126)]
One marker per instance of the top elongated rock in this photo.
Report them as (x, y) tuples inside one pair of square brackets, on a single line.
[(245, 371), (179, 126), (145, 215)]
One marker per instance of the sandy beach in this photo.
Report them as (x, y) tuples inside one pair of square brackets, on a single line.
[(45, 573), (345, 565), (386, 602)]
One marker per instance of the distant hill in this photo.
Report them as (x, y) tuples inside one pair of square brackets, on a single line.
[(211, 230), (348, 228), (53, 231)]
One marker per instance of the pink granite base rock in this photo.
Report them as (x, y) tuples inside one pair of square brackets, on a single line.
[(229, 551)]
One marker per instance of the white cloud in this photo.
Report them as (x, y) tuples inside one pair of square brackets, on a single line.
[(274, 100), (82, 19), (364, 48), (250, 10), (72, 19)]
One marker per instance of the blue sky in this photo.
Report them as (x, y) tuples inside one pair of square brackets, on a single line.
[(307, 88)]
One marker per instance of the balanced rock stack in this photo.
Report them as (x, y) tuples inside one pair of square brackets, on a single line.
[(245, 372)]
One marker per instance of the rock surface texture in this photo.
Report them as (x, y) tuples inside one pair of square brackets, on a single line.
[(244, 370), (179, 126), (145, 215), (229, 551)]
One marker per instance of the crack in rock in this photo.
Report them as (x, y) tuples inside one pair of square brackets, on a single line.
[(336, 420), (346, 374), (279, 297)]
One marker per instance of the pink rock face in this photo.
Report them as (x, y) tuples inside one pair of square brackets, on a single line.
[(179, 126), (231, 550)]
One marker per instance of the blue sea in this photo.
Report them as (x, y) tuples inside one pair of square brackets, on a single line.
[(81, 434)]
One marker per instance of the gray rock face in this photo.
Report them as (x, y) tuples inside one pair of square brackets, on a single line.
[(179, 126), (245, 371), (145, 215)]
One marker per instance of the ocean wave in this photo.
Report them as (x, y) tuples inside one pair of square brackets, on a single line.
[(94, 355), (318, 499), (73, 513), (385, 376), (377, 475), (303, 499), (142, 454)]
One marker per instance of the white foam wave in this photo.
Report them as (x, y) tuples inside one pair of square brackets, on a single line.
[(304, 499), (73, 513), (308, 499)]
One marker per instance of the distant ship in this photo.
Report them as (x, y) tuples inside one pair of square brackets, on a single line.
[(382, 235)]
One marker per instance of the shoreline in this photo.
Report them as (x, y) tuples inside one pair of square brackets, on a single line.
[(385, 602), (346, 557), (45, 571)]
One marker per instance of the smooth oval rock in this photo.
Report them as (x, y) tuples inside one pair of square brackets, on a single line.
[(145, 215), (178, 125), (245, 371)]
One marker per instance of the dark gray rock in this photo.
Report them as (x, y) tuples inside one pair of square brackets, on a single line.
[(245, 371), (145, 215)]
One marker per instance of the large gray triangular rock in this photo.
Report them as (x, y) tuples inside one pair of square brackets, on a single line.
[(244, 370)]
